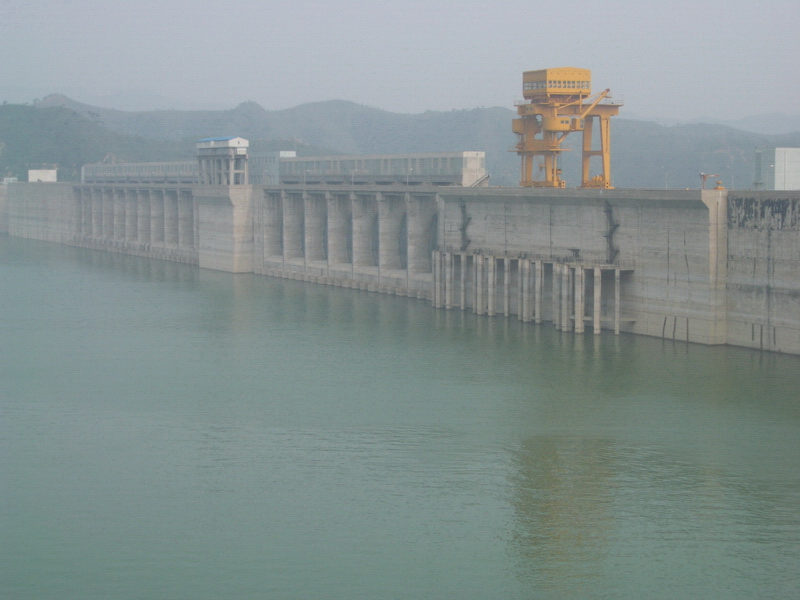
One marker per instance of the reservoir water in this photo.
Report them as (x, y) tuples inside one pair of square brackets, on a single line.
[(171, 432)]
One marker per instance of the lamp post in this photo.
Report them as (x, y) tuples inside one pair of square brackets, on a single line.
[(408, 173)]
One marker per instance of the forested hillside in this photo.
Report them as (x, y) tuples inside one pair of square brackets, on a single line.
[(33, 138)]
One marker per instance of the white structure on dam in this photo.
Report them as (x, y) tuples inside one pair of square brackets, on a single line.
[(777, 169), (710, 266), (463, 169)]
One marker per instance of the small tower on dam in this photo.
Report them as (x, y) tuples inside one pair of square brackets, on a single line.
[(224, 199), (558, 102), (223, 161)]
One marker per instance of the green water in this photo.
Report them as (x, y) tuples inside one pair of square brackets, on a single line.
[(170, 432)]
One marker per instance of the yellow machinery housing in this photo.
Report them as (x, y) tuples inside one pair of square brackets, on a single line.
[(559, 101)]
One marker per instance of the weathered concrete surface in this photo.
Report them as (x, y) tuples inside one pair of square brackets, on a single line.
[(41, 211), (763, 270), (662, 243), (711, 267), (225, 239)]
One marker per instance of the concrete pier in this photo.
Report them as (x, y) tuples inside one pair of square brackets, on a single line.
[(365, 234), (462, 288), (491, 286), (506, 287), (580, 297), (340, 248), (293, 226), (316, 227), (538, 287)]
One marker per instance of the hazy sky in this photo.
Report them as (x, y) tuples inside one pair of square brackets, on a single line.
[(679, 59)]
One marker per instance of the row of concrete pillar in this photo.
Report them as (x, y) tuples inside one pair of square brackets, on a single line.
[(231, 169), (533, 290), (140, 216), (391, 231)]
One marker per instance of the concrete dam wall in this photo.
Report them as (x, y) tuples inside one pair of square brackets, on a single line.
[(712, 267)]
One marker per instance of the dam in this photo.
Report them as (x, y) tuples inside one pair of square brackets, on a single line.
[(704, 266)]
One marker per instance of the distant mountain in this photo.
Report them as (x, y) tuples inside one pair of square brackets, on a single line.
[(57, 135), (644, 154), (767, 123), (342, 127), (32, 138), (647, 155), (771, 123), (134, 100)]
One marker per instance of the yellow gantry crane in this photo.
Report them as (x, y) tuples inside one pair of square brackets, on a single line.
[(559, 101)]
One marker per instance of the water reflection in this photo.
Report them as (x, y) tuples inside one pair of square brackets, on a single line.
[(563, 499), (665, 527)]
